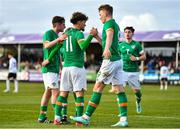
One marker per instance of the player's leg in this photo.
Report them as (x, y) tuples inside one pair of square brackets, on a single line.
[(118, 81), (92, 105), (166, 83), (79, 102), (49, 83), (61, 101), (79, 82), (103, 77), (44, 104), (16, 86), (161, 84), (54, 96), (64, 112), (8, 83), (122, 105), (133, 81)]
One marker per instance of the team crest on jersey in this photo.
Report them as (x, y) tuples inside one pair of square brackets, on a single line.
[(133, 46)]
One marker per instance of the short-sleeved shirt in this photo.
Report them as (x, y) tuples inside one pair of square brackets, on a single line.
[(164, 72), (114, 46), (55, 64), (12, 65), (127, 49), (73, 54)]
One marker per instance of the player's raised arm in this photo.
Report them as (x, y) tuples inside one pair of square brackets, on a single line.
[(98, 38), (48, 44), (84, 43)]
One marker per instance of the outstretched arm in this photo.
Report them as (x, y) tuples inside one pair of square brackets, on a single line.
[(48, 44), (85, 43)]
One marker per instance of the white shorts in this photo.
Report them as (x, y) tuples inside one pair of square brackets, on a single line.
[(51, 80), (132, 78), (111, 72), (73, 79)]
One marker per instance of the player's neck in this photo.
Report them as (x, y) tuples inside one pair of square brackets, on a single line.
[(76, 27), (108, 18), (128, 40), (55, 30)]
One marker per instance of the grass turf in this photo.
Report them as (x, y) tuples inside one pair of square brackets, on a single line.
[(161, 109)]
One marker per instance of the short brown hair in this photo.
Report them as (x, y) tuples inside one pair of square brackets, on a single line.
[(129, 28), (78, 16), (106, 7), (10, 53), (58, 19)]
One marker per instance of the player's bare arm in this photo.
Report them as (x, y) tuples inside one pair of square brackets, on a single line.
[(61, 38), (45, 62), (93, 31), (98, 38), (84, 43), (109, 33)]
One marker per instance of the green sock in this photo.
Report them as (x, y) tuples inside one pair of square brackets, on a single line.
[(43, 110), (79, 105), (75, 101), (93, 103), (64, 109), (138, 96), (122, 101), (53, 105), (59, 105)]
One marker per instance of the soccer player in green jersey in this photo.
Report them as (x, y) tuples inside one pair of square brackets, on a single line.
[(73, 77), (110, 71), (132, 52), (51, 71)]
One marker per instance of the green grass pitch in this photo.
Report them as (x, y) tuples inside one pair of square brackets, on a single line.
[(161, 109)]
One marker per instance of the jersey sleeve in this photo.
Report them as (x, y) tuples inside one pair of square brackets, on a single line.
[(62, 50), (108, 26), (140, 48), (79, 36), (47, 37)]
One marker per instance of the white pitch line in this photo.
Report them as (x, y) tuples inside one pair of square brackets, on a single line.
[(159, 117)]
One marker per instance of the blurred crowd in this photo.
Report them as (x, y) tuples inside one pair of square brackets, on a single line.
[(92, 63)]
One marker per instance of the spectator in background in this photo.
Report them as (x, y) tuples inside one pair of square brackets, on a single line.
[(164, 72), (151, 66), (12, 74)]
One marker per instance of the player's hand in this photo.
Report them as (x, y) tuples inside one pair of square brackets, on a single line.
[(133, 58), (107, 54), (62, 38), (94, 31), (45, 62)]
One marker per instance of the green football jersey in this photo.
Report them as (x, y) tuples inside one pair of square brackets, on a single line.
[(114, 46), (54, 65), (127, 49), (73, 54)]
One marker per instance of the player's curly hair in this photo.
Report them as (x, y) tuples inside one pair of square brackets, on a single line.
[(129, 28), (78, 16), (58, 19), (106, 7)]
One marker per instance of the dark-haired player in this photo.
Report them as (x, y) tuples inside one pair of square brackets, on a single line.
[(131, 53), (51, 71)]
